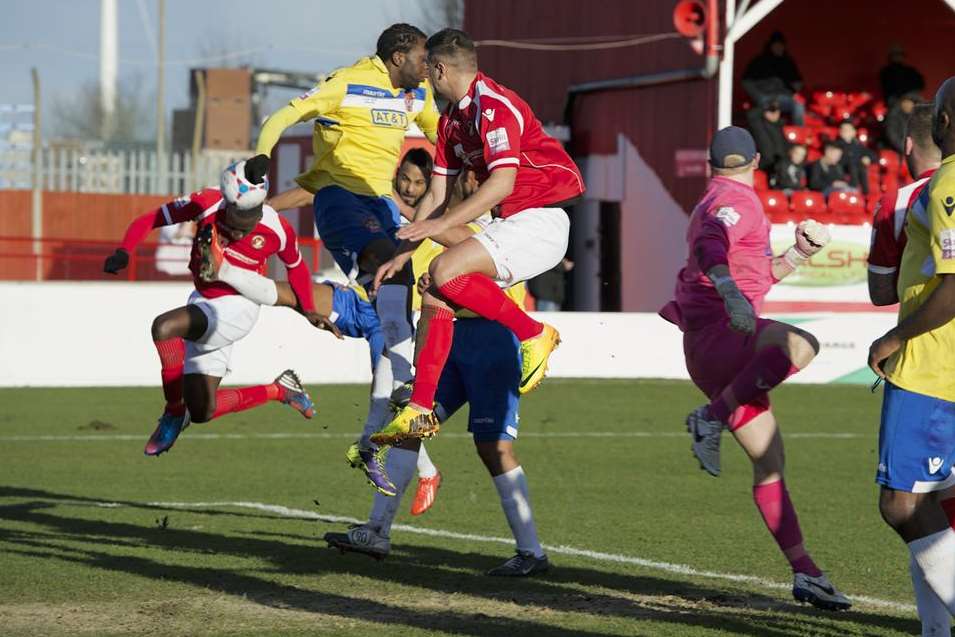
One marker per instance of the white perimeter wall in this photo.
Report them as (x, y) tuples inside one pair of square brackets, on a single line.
[(97, 334)]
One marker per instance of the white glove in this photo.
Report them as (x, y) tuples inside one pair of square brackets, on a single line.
[(811, 237), (741, 313)]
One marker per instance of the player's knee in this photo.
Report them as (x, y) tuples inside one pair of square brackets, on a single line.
[(162, 328), (802, 347), (897, 509), (498, 456)]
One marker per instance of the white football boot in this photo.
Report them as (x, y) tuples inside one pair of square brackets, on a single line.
[(361, 538), (705, 432)]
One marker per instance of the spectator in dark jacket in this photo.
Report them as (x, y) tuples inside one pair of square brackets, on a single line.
[(856, 158), (767, 129), (826, 175), (896, 121), (898, 78), (790, 173), (774, 76), (548, 288)]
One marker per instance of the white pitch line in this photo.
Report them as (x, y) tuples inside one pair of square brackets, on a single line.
[(680, 569), (352, 435)]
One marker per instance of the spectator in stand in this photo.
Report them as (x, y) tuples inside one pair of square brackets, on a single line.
[(548, 288), (898, 78), (856, 158), (790, 173), (896, 119), (826, 175), (767, 128), (774, 76)]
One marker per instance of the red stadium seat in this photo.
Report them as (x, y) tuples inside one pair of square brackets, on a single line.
[(873, 176), (847, 208), (889, 160), (905, 176), (813, 154), (760, 180), (872, 200), (858, 99), (890, 181), (798, 134), (878, 110), (808, 203), (863, 135), (775, 204)]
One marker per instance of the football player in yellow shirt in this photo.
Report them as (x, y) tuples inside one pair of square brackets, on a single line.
[(362, 114), (917, 360)]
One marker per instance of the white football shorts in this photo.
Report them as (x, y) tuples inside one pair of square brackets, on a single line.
[(526, 244), (231, 318)]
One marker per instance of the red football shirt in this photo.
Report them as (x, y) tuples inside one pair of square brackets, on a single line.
[(492, 127), (272, 235), (888, 239)]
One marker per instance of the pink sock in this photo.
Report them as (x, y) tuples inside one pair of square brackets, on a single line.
[(230, 401), (482, 296), (768, 369), (778, 513)]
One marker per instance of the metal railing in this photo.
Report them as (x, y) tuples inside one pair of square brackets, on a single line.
[(111, 171), (69, 259)]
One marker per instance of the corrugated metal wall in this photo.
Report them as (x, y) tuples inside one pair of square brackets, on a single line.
[(658, 120)]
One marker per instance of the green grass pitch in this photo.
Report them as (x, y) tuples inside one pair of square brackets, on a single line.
[(84, 552)]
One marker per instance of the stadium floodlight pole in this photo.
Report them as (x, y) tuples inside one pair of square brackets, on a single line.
[(37, 202), (160, 99), (197, 125)]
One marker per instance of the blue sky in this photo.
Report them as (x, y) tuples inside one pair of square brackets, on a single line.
[(61, 39)]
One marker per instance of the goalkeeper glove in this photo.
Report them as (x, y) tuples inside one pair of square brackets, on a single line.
[(741, 313), (116, 261), (811, 237)]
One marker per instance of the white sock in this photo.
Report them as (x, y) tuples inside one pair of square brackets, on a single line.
[(392, 307), (249, 284), (936, 622), (400, 466), (935, 555), (378, 410), (512, 487), (426, 468)]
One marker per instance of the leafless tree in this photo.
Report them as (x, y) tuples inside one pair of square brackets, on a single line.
[(80, 115)]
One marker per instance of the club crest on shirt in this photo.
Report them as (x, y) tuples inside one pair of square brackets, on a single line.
[(409, 101), (258, 241), (727, 216)]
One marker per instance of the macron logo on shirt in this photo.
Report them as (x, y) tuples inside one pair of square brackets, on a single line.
[(727, 216)]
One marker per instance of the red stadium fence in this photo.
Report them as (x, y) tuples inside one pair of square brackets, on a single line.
[(70, 259)]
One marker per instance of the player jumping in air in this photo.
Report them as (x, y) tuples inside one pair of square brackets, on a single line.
[(194, 342), (484, 372), (525, 177), (734, 356), (362, 114), (917, 360)]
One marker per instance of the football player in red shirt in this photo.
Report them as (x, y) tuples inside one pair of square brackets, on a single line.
[(888, 224), (525, 178), (194, 342)]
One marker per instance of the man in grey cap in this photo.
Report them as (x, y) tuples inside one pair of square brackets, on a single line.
[(734, 356)]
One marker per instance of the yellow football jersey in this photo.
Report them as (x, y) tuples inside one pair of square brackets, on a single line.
[(360, 125), (926, 364)]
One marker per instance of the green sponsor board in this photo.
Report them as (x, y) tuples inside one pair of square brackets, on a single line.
[(842, 262)]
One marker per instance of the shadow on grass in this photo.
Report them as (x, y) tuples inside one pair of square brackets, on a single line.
[(570, 589)]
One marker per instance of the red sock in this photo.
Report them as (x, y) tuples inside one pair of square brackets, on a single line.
[(768, 369), (433, 355), (230, 401), (481, 295), (949, 507), (778, 513), (172, 354)]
